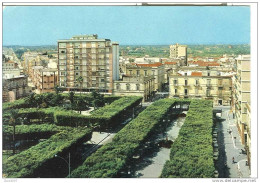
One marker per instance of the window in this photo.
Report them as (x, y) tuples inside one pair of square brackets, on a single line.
[(245, 110), (153, 72), (137, 87), (145, 72), (102, 80), (176, 92), (175, 82), (127, 86), (137, 72), (197, 82), (208, 74), (186, 82), (130, 72), (186, 91), (118, 86), (185, 74), (208, 93), (77, 74), (77, 68)]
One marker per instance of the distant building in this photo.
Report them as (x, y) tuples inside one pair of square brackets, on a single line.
[(95, 60), (135, 85), (155, 69), (15, 88), (11, 69), (179, 52), (195, 85), (44, 79)]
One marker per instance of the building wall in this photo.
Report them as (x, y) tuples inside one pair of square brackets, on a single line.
[(135, 86), (45, 80), (157, 72), (15, 88), (215, 88), (242, 95), (178, 51)]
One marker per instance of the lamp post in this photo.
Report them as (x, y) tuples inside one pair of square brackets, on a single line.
[(68, 163)]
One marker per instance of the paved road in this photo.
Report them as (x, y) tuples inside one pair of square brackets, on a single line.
[(230, 146), (151, 165)]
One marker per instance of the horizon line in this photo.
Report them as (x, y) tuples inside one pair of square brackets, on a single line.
[(143, 44)]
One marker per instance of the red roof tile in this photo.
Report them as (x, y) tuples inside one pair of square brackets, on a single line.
[(196, 74), (150, 65), (170, 63)]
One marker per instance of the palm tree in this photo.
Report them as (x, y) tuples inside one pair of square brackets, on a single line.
[(14, 116), (80, 81)]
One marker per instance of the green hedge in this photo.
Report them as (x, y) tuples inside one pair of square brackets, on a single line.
[(192, 152), (20, 103), (88, 97), (111, 158), (105, 116), (32, 129), (25, 163)]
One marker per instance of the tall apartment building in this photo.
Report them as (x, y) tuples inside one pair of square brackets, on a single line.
[(179, 52), (95, 60), (241, 97), (216, 88)]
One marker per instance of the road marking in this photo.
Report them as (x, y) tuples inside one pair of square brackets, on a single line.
[(238, 167)]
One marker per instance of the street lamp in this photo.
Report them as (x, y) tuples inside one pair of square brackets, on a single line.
[(68, 163)]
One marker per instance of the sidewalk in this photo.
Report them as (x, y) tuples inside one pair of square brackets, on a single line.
[(233, 147)]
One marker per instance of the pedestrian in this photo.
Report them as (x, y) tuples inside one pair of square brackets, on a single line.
[(233, 160), (229, 132)]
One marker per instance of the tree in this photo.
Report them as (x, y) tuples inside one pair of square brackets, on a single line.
[(30, 100), (57, 89), (98, 99), (71, 97), (14, 117), (80, 81)]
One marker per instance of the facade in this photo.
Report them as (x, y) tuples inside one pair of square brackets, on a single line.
[(15, 88), (216, 88), (10, 69), (95, 60), (135, 85), (156, 70), (242, 96), (44, 79), (179, 52), (248, 132)]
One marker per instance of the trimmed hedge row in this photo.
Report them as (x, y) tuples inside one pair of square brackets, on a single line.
[(192, 152), (111, 158), (32, 129), (25, 163), (22, 103), (106, 115)]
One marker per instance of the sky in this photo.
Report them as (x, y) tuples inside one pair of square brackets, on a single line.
[(127, 25)]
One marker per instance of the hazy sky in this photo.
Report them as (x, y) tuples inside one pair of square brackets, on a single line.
[(44, 25)]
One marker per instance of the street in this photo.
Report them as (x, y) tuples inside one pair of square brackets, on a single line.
[(230, 147)]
